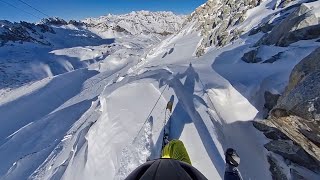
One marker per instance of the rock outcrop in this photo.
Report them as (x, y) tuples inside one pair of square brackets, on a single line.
[(292, 126), (265, 27), (294, 153), (76, 23), (297, 116), (54, 21), (270, 100), (275, 169), (269, 130), (216, 19), (23, 32), (302, 95), (302, 24), (274, 58), (251, 57)]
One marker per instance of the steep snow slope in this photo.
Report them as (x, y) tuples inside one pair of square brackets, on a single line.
[(45, 111), (103, 121), (76, 67)]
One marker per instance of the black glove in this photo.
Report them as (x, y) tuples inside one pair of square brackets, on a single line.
[(232, 157)]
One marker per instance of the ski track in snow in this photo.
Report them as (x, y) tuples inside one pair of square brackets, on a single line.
[(134, 154)]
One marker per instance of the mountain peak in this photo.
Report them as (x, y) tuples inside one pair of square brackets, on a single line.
[(139, 22)]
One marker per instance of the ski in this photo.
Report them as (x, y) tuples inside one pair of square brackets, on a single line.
[(166, 129), (166, 124)]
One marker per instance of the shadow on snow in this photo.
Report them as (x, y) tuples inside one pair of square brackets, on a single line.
[(185, 113)]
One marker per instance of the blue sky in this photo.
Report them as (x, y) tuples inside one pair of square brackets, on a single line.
[(80, 9)]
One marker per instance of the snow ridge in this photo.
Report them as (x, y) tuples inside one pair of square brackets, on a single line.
[(139, 22)]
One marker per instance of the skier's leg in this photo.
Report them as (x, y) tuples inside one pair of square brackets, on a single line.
[(175, 150), (232, 162)]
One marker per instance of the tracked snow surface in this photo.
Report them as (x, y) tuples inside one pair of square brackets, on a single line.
[(102, 120)]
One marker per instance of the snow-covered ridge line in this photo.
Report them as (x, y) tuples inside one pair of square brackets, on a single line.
[(140, 22), (23, 32), (160, 23)]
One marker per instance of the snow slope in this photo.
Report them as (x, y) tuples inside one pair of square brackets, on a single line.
[(30, 52), (104, 120)]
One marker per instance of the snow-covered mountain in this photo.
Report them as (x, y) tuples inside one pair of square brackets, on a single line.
[(139, 22), (230, 65), (63, 46), (135, 23), (23, 32)]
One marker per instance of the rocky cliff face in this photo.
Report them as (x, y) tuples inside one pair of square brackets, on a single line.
[(301, 102), (32, 32), (293, 22), (23, 32), (302, 24), (302, 95), (293, 124), (59, 22), (217, 19)]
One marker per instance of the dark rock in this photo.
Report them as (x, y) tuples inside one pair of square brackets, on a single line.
[(223, 39), (76, 23), (275, 169), (295, 175), (54, 21), (119, 29), (164, 55), (251, 57), (306, 66), (274, 58), (294, 153), (200, 51), (28, 26), (275, 134), (44, 28), (304, 98), (261, 126), (23, 32), (171, 50), (15, 33), (283, 3), (310, 32), (292, 125), (262, 28), (217, 22), (165, 33), (301, 100), (266, 28), (313, 136), (270, 100), (146, 32), (301, 24), (269, 131), (278, 112)]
